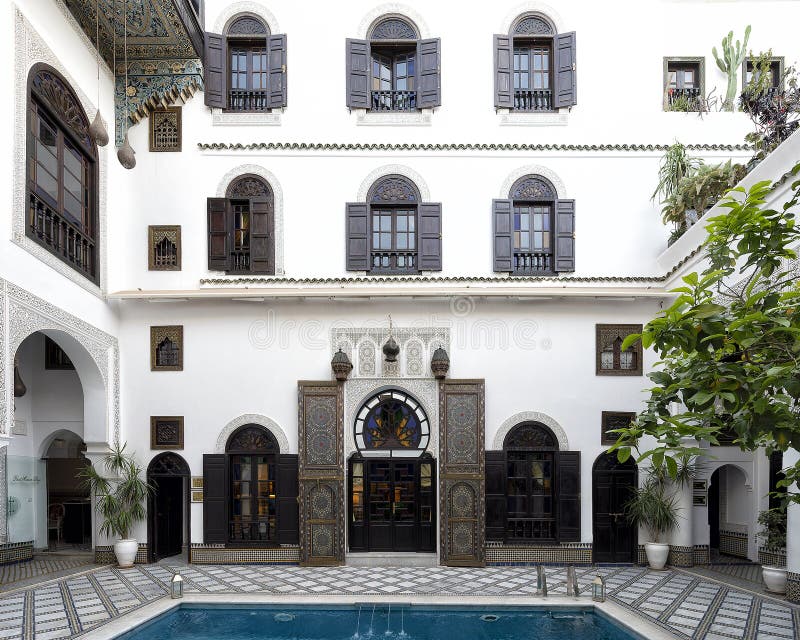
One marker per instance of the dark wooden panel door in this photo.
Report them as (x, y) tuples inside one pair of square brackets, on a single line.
[(614, 536), (168, 525), (379, 505), (404, 506)]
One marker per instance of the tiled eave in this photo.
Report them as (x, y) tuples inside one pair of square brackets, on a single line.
[(411, 288)]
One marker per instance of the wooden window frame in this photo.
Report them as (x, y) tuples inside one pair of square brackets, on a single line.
[(36, 105), (606, 417), (156, 422), (529, 43), (700, 61), (622, 330), (153, 233), (154, 117), (780, 61), (157, 335)]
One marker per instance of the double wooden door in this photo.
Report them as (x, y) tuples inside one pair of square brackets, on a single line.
[(392, 505), (612, 486)]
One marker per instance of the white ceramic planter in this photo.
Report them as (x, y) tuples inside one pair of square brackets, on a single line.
[(125, 550), (657, 554), (774, 579)]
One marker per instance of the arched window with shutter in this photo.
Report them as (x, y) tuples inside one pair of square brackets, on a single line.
[(241, 228), (394, 232), (62, 173)]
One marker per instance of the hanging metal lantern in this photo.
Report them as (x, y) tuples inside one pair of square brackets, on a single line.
[(97, 130), (19, 386), (391, 350), (126, 155)]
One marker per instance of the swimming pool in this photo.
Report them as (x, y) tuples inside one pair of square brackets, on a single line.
[(377, 621)]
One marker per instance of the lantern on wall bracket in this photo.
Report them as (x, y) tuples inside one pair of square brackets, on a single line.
[(599, 589), (440, 363), (341, 365), (176, 586)]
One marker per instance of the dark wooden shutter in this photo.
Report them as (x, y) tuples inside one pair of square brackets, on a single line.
[(357, 74), (219, 234), (566, 91), (569, 496), (495, 495), (276, 51), (262, 248), (288, 525), (357, 237), (430, 236), (503, 85), (503, 229), (215, 65), (429, 81), (215, 520), (565, 236)]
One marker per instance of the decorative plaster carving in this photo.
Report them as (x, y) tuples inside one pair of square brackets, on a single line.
[(525, 119), (358, 391), (277, 193), (252, 418), (29, 49), (26, 314), (261, 119), (366, 358), (515, 175), (420, 118), (530, 416), (541, 8), (3, 497), (389, 169), (230, 12), (388, 10)]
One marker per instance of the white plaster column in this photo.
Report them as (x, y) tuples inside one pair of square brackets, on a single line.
[(790, 458), (3, 492), (681, 543)]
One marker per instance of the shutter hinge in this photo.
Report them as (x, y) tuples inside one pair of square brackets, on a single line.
[(573, 66), (573, 235), (283, 68)]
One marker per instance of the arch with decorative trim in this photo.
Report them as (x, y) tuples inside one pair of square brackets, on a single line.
[(235, 10), (392, 10), (539, 10), (394, 169), (530, 416), (252, 418), (533, 170)]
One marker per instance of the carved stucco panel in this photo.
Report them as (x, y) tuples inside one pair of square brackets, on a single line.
[(30, 49), (393, 169), (252, 418), (533, 169), (392, 9), (530, 416), (233, 9)]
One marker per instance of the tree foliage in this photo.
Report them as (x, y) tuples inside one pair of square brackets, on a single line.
[(729, 344)]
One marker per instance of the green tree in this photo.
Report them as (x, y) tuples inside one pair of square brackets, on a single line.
[(729, 344)]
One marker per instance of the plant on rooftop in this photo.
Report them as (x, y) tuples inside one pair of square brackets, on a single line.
[(730, 62), (729, 344)]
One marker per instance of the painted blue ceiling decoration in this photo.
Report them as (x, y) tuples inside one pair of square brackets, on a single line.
[(165, 45)]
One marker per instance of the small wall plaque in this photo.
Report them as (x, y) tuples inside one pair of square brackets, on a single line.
[(197, 496), (197, 482)]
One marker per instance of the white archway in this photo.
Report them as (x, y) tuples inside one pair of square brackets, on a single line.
[(530, 416), (252, 418)]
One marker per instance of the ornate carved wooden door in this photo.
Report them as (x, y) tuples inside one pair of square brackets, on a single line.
[(462, 481)]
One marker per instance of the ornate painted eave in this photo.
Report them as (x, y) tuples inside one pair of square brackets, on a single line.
[(165, 44)]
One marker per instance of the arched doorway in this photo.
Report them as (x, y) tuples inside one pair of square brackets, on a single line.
[(252, 511), (69, 510), (613, 482), (392, 478), (729, 513), (168, 509)]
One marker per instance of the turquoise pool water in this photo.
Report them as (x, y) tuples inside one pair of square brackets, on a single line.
[(359, 622)]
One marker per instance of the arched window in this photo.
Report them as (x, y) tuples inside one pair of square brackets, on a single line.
[(245, 67), (252, 451), (534, 66), (611, 358), (534, 229), (62, 173), (392, 424), (393, 70), (394, 232), (241, 236)]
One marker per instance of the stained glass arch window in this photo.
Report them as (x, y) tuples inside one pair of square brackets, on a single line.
[(392, 423)]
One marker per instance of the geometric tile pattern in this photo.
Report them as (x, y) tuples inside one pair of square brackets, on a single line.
[(565, 553), (217, 554), (733, 543), (15, 551), (40, 566), (686, 605)]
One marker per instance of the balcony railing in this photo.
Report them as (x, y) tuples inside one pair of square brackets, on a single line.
[(394, 100), (531, 528), (683, 99), (244, 100), (529, 262), (240, 260), (395, 261), (62, 237), (533, 100), (262, 530)]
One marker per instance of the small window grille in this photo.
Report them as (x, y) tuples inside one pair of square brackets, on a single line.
[(164, 247), (166, 348), (165, 129)]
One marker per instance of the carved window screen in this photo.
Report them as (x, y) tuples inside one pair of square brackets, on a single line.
[(166, 129), (613, 420), (166, 432), (164, 247), (610, 359), (166, 348)]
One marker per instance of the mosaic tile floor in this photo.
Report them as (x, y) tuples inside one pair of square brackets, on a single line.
[(12, 576), (686, 605)]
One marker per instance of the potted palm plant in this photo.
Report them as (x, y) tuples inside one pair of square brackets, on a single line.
[(773, 533), (654, 507), (120, 500)]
